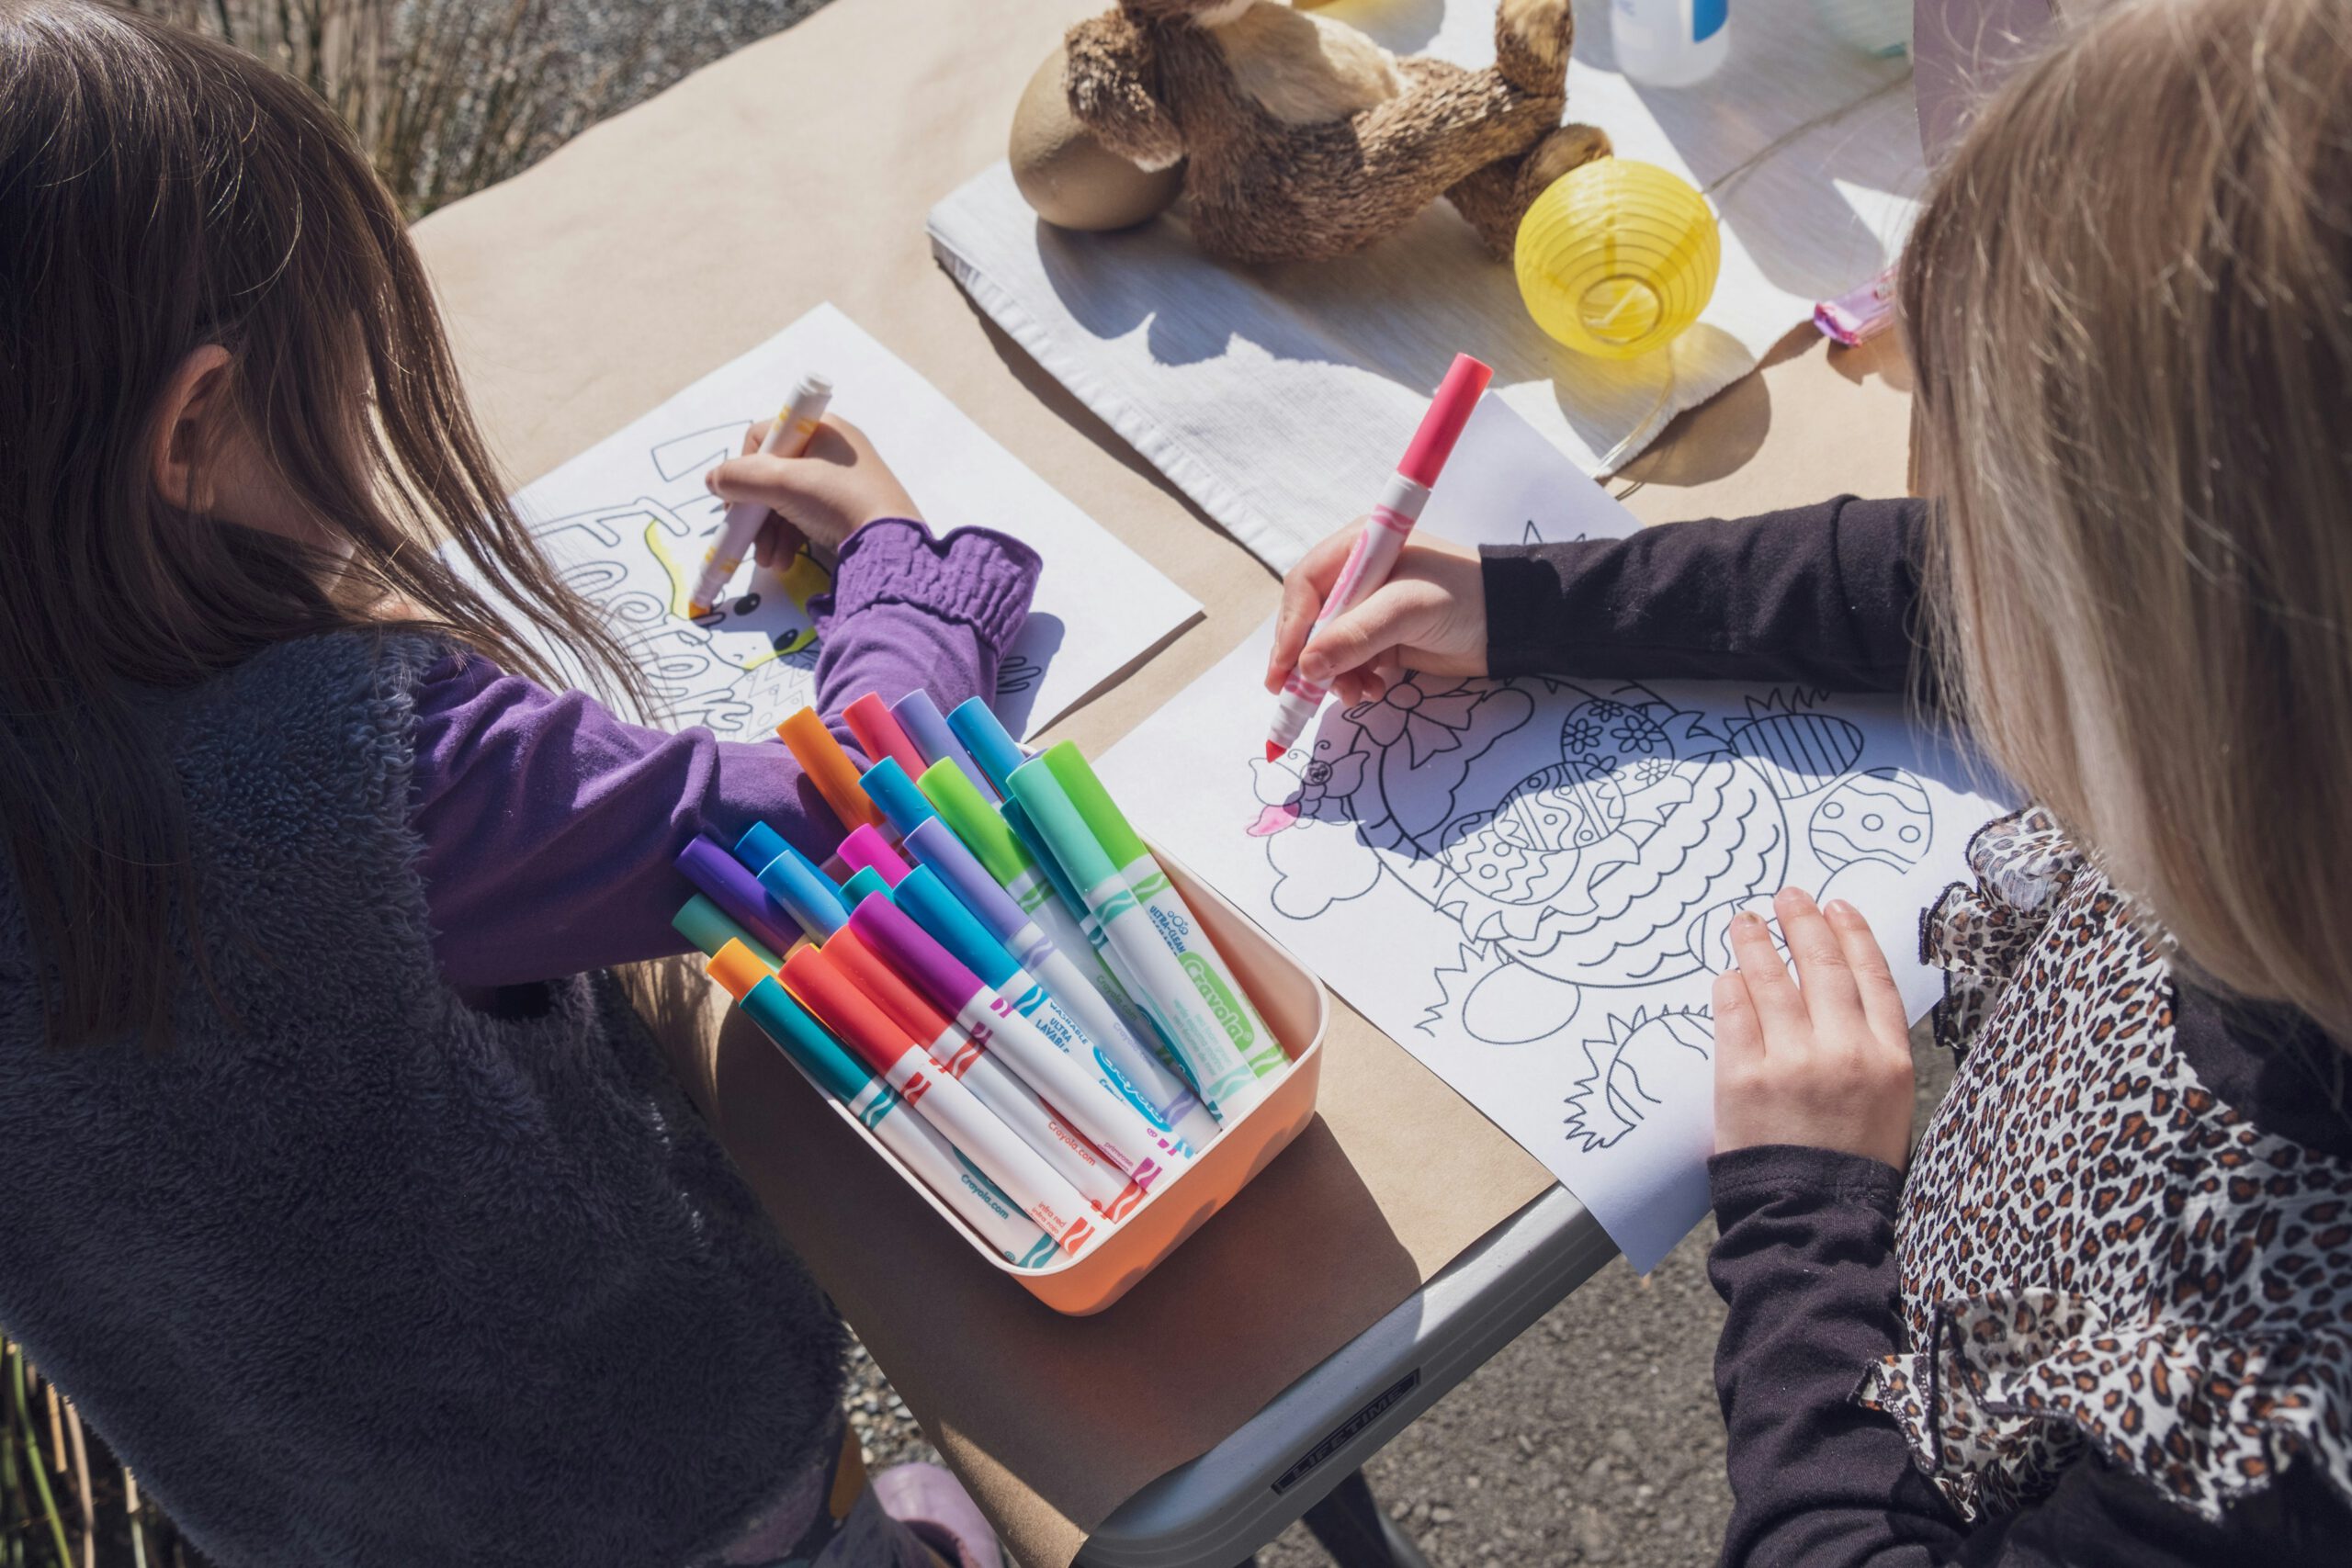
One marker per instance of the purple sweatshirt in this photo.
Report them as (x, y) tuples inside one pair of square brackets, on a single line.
[(550, 825)]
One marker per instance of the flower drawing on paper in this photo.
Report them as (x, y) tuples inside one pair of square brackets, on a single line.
[(1428, 722)]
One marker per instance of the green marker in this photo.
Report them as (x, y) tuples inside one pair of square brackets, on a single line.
[(710, 927), (1168, 913), (1201, 1031)]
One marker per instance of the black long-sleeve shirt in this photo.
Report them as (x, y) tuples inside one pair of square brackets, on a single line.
[(1828, 596)]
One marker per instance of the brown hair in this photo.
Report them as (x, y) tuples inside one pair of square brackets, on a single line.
[(160, 192), (2130, 305)]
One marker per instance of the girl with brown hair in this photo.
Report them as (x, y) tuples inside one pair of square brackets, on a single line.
[(347, 1196), (2106, 1315)]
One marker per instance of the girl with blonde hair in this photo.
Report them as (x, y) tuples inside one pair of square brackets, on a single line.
[(2106, 1314)]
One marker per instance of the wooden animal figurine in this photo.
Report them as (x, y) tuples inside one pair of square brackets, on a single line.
[(1301, 140)]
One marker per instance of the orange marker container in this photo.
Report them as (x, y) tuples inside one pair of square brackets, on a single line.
[(1296, 1008), (830, 769)]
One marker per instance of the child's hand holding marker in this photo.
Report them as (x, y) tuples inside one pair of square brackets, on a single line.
[(835, 486), (1431, 615)]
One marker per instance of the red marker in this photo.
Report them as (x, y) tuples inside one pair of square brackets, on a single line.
[(1385, 533)]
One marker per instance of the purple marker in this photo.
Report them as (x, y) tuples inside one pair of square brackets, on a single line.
[(919, 717), (722, 879), (1171, 1099), (1109, 1123)]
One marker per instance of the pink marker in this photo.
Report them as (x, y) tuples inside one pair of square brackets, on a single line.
[(1110, 1123), (870, 720), (1385, 533), (867, 847)]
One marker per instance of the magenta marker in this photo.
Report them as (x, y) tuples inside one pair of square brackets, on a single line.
[(1168, 1098), (920, 719), (867, 849), (1109, 1123), (722, 877), (1384, 532)]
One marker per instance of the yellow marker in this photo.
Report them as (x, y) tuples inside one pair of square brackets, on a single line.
[(795, 427), (1617, 257)]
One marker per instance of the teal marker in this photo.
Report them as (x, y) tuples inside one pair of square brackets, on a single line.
[(710, 927), (868, 880), (1207, 1036), (1165, 907), (918, 1145), (925, 897)]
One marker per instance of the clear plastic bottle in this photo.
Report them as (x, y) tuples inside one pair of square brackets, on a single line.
[(1669, 43)]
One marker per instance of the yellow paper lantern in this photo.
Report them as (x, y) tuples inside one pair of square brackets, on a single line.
[(1616, 257)]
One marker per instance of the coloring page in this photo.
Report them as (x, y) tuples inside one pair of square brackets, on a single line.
[(1528, 883), (628, 522)]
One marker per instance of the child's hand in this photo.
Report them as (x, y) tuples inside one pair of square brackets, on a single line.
[(1429, 615), (1828, 1066), (820, 497)]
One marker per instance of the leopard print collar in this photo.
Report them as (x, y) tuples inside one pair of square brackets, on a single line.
[(2096, 1253)]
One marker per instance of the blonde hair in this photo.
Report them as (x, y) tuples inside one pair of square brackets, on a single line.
[(2130, 305)]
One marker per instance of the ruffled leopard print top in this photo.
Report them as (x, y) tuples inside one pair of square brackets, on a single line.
[(2096, 1253)]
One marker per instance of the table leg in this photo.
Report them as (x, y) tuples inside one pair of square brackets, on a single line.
[(1357, 1534)]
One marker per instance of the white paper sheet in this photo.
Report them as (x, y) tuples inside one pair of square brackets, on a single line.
[(627, 521), (1250, 387), (1527, 883)]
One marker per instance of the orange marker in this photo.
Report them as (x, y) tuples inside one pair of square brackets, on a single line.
[(819, 984), (870, 720), (968, 1058), (830, 769)]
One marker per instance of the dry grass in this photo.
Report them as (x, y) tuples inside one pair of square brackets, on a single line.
[(447, 95)]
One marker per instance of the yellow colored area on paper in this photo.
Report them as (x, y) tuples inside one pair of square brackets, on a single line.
[(803, 580)]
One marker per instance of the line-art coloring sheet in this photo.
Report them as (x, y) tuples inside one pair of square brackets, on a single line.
[(628, 522), (1528, 883)]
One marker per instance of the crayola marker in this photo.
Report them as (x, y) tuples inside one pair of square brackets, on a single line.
[(808, 894), (1219, 987), (966, 1059), (870, 720), (858, 888), (816, 982), (829, 768), (759, 845), (711, 928), (722, 877), (1105, 1116), (918, 716), (933, 906), (960, 1184), (1228, 1084), (867, 847), (975, 723), (893, 791), (951, 882), (795, 427)]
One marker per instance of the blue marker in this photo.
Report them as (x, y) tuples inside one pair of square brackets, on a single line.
[(806, 893), (918, 716), (918, 1145), (984, 735), (759, 845), (886, 785)]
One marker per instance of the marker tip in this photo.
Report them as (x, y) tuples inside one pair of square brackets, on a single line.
[(1274, 750)]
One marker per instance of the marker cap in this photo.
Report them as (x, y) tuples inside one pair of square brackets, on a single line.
[(938, 912), (710, 927), (886, 785), (975, 821), (759, 845), (867, 882), (812, 978), (1065, 831), (867, 847), (984, 735), (870, 720), (1102, 818), (884, 986), (828, 767), (1456, 399), (736, 891), (943, 852), (807, 893), (1017, 818), (911, 951), (805, 1041), (918, 716), (736, 967)]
